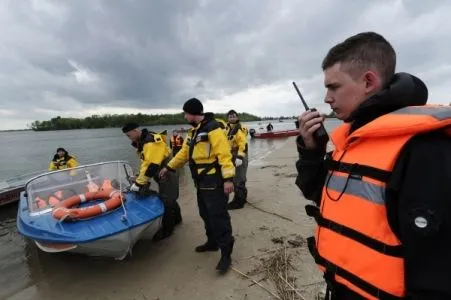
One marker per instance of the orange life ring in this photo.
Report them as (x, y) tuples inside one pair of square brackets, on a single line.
[(64, 209)]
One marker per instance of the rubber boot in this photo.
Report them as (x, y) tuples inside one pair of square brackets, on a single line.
[(208, 246), (236, 204), (226, 259), (161, 235)]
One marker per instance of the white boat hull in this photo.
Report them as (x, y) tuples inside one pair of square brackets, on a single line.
[(116, 246)]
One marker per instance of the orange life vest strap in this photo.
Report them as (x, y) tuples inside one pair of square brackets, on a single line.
[(357, 171), (390, 250), (332, 270)]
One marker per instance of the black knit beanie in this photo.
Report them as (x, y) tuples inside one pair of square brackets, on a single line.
[(232, 112), (129, 126), (194, 107)]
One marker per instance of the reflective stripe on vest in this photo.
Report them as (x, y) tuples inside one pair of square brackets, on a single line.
[(355, 245)]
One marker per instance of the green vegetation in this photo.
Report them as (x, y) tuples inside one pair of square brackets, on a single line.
[(115, 121), (330, 115)]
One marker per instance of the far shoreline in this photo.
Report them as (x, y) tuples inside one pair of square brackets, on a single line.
[(144, 125)]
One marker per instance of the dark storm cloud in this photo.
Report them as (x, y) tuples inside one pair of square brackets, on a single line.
[(156, 54)]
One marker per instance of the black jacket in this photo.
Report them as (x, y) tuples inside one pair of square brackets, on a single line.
[(420, 185)]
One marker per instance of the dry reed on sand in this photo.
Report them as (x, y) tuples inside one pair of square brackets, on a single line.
[(278, 269)]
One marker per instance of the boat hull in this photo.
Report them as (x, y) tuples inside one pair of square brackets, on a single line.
[(10, 196), (275, 134), (117, 246)]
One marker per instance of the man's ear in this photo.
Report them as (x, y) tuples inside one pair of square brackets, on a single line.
[(372, 81)]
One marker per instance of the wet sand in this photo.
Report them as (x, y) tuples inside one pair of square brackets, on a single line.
[(170, 269)]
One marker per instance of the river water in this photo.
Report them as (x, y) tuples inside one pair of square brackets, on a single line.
[(27, 151)]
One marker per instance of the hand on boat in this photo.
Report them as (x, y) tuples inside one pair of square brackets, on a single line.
[(238, 162), (134, 188), (309, 122), (228, 187)]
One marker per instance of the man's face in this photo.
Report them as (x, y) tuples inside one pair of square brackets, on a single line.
[(60, 153), (233, 118), (133, 135), (191, 119), (345, 93)]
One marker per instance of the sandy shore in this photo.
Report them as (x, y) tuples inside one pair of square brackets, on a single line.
[(171, 269)]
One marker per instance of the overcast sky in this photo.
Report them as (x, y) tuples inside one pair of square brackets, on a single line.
[(77, 58)]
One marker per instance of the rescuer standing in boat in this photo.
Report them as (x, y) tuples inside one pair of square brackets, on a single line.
[(269, 127), (176, 142), (62, 160), (237, 137), (154, 155), (210, 161), (383, 210)]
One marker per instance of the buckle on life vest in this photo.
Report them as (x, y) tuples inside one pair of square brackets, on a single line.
[(391, 250), (357, 171), (331, 269)]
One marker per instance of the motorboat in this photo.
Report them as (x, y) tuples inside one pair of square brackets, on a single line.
[(273, 134), (10, 188), (88, 210)]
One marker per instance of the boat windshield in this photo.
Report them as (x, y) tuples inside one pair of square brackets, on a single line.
[(46, 190)]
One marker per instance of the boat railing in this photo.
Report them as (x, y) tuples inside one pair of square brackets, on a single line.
[(124, 162)]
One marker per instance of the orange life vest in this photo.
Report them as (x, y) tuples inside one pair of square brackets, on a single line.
[(354, 244), (176, 141), (55, 198)]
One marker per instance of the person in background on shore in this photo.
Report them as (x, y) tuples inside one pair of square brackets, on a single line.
[(176, 142), (269, 127), (237, 138), (62, 160), (210, 161), (154, 155), (382, 196)]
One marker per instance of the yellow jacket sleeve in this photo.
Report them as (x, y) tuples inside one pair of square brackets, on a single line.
[(52, 166), (241, 141), (245, 130), (221, 149), (152, 156), (72, 163), (181, 157)]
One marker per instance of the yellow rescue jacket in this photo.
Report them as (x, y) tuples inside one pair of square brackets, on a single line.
[(207, 151), (222, 124), (152, 151), (237, 138), (354, 244), (66, 162)]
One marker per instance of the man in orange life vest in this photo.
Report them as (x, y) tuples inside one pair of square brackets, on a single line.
[(176, 142), (382, 196)]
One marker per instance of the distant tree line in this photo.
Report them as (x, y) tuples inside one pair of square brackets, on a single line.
[(115, 121), (329, 115)]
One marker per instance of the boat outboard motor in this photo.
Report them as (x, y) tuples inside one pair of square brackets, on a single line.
[(252, 132)]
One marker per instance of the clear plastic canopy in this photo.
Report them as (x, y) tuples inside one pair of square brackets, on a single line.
[(45, 190)]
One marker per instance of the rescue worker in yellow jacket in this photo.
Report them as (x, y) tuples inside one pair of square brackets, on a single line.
[(176, 142), (208, 153), (237, 137), (154, 155), (382, 196), (62, 160), (222, 124)]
